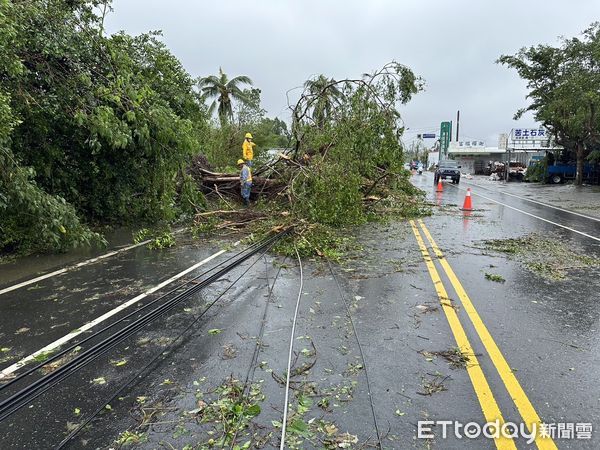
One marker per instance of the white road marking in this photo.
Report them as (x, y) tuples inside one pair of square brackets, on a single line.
[(537, 217), (597, 219), (54, 345), (76, 266), (66, 269)]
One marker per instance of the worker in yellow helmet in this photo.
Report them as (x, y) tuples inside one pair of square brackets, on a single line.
[(245, 180), (248, 149)]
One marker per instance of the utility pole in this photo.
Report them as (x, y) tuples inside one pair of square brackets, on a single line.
[(457, 123), (507, 167)]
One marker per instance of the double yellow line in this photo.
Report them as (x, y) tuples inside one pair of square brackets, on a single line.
[(488, 403)]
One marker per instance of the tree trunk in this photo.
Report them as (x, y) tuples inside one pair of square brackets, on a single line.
[(580, 152)]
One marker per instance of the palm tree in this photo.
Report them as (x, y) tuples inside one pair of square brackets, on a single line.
[(326, 96), (223, 91)]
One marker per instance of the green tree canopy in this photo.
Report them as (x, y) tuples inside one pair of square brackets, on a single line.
[(563, 89), (357, 150), (97, 125)]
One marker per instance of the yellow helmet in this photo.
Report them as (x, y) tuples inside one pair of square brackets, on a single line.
[(240, 161), (248, 136)]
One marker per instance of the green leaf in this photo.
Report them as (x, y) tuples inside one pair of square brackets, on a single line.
[(304, 404), (252, 411), (299, 427)]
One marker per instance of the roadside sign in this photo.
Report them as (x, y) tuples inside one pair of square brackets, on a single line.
[(528, 134), (429, 136), (471, 144), (445, 132)]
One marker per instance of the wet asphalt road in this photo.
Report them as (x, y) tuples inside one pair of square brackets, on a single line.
[(548, 331)]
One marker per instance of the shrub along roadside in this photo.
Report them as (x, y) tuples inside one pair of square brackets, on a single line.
[(97, 128)]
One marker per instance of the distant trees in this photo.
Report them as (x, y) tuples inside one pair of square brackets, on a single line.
[(328, 95), (564, 90), (224, 146), (224, 90)]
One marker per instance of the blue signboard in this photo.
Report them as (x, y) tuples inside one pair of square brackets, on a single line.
[(429, 136)]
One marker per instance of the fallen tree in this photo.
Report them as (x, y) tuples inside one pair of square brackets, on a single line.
[(345, 164), (229, 184)]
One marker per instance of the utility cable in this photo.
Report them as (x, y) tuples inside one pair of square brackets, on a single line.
[(63, 352), (163, 352), (29, 393), (362, 355), (289, 363)]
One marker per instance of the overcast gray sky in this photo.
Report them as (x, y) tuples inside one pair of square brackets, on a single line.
[(451, 44)]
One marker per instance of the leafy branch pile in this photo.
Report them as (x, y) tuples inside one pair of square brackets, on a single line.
[(345, 164), (347, 146), (547, 256), (230, 413)]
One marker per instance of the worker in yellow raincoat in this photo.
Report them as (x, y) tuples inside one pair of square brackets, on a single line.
[(245, 180), (248, 149)]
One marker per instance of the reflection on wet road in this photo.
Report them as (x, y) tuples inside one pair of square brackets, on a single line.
[(546, 328)]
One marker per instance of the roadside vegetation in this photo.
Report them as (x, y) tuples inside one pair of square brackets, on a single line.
[(537, 171), (109, 130), (344, 166), (563, 92)]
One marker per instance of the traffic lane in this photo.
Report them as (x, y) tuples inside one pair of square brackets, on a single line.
[(580, 199), (402, 328), (33, 317), (14, 270), (49, 418), (320, 344), (544, 218), (547, 336), (564, 218), (386, 291), (550, 340)]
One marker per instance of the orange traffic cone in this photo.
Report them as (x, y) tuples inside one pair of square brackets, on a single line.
[(440, 188), (468, 206)]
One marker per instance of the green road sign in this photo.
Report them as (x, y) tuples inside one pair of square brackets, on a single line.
[(445, 133)]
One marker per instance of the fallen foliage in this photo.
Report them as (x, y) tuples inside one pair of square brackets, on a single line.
[(548, 256), (344, 167)]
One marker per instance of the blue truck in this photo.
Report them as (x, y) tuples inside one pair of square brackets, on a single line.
[(559, 173)]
